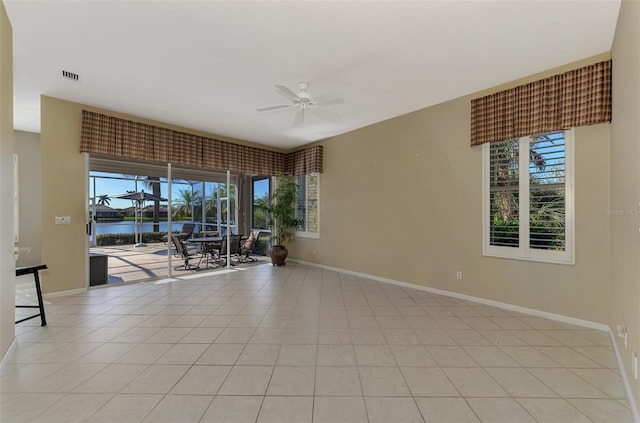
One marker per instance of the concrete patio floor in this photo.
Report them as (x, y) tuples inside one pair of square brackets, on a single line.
[(128, 263)]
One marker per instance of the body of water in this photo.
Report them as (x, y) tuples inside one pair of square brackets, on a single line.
[(127, 227)]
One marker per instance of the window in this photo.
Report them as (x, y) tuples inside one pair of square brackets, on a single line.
[(261, 192), (308, 205), (528, 198)]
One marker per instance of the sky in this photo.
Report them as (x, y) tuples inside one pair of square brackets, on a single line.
[(113, 187)]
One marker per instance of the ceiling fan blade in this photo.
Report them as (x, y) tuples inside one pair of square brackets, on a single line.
[(298, 119), (266, 109), (328, 100), (287, 92), (325, 114)]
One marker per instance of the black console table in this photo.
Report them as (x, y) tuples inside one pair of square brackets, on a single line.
[(33, 270)]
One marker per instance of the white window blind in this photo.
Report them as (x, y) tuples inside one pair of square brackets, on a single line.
[(528, 195), (547, 212), (504, 193), (309, 205)]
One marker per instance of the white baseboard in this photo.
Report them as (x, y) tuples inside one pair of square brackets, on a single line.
[(65, 293), (8, 354), (524, 310), (625, 380)]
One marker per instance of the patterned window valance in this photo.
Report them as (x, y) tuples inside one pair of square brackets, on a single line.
[(110, 136), (576, 98), (303, 162)]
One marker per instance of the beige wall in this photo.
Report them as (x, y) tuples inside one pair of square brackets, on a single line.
[(402, 199), (27, 146), (64, 193), (7, 263), (625, 183)]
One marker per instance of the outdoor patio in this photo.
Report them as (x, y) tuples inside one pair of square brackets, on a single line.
[(127, 263)]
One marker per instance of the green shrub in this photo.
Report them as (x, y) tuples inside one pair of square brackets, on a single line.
[(542, 235), (125, 239)]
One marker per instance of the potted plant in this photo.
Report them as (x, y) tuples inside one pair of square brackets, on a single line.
[(282, 217)]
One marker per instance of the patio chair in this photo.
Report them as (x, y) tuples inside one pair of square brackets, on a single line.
[(210, 252), (184, 253), (184, 234), (246, 248), (187, 231), (261, 246), (234, 248)]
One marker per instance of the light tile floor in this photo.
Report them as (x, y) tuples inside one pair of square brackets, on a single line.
[(301, 344)]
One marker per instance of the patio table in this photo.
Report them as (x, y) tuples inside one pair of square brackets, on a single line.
[(204, 240), (207, 250)]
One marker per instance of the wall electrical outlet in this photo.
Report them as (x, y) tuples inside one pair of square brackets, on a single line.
[(63, 220), (458, 275)]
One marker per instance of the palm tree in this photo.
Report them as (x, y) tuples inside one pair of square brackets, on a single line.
[(506, 174), (104, 200), (153, 182), (504, 177), (185, 203), (211, 205)]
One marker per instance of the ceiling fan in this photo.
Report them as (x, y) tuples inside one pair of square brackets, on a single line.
[(303, 103)]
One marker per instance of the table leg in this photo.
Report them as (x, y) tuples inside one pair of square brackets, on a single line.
[(26, 270), (43, 319)]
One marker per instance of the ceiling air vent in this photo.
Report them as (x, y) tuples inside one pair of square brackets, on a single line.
[(70, 75)]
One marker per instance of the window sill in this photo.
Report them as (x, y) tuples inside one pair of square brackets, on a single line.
[(532, 259)]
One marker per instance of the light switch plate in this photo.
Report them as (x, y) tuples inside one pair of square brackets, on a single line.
[(63, 220)]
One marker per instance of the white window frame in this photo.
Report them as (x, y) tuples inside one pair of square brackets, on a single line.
[(307, 234), (16, 201), (523, 251)]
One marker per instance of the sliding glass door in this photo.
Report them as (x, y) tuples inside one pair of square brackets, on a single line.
[(130, 205)]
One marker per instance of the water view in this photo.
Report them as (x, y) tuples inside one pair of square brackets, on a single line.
[(127, 227)]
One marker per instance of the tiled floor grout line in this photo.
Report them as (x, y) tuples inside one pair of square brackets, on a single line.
[(284, 300)]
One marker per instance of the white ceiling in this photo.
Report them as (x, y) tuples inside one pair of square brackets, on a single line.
[(208, 65)]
